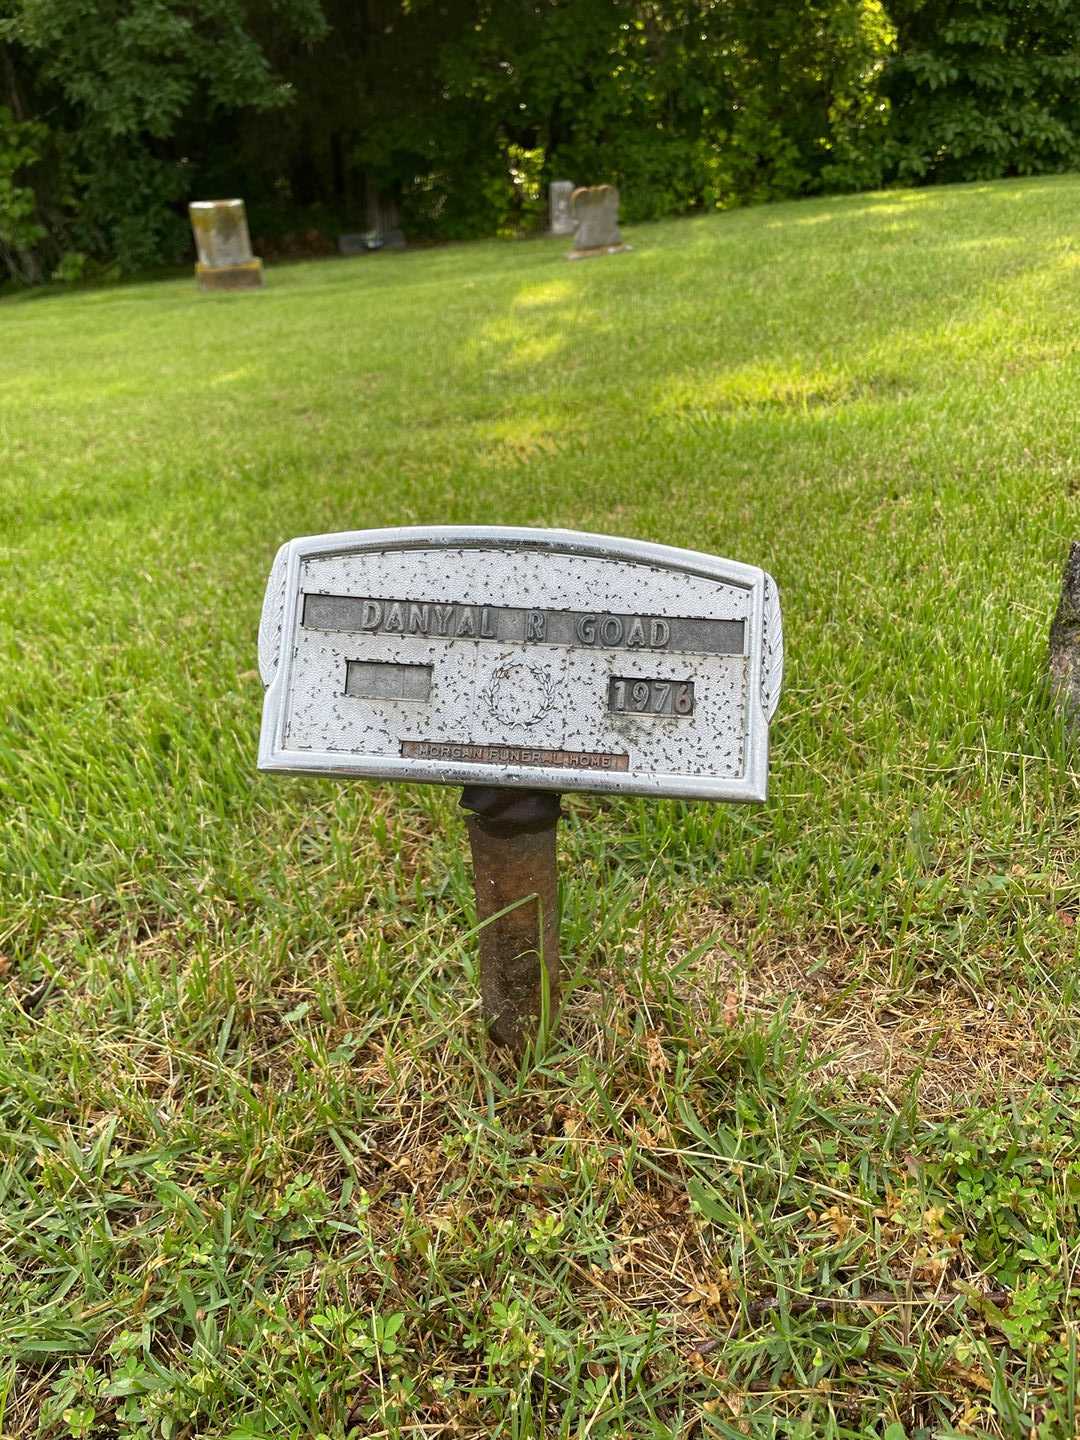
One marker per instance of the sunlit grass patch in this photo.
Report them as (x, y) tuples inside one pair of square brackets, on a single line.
[(550, 292), (772, 389)]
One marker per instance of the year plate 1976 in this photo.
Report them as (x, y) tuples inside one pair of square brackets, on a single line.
[(538, 658)]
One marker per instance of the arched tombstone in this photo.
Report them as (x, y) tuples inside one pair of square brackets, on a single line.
[(519, 664), (561, 220), (595, 209), (224, 246)]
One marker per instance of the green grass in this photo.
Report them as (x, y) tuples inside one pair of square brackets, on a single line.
[(803, 1158)]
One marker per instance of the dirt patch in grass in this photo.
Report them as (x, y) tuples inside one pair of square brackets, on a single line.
[(953, 1046)]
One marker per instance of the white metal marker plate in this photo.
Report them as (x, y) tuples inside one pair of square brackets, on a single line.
[(544, 659)]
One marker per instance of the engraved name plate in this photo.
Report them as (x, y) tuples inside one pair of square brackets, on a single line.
[(544, 659)]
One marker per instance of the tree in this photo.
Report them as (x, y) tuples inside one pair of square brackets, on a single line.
[(123, 83), (114, 112), (984, 88)]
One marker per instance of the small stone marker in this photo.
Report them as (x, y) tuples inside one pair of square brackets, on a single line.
[(518, 664), (595, 211), (1065, 641), (221, 237), (561, 219), (364, 242)]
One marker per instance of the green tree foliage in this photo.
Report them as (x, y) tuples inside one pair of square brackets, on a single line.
[(113, 113), (128, 87), (681, 102), (984, 88), (19, 231)]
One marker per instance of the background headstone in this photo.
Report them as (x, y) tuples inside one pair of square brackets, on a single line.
[(595, 210), (561, 219), (364, 241), (383, 218), (224, 246), (1065, 641)]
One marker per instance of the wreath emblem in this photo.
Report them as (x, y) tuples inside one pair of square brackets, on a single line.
[(519, 694)]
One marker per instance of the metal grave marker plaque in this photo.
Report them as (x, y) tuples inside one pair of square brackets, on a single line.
[(536, 659)]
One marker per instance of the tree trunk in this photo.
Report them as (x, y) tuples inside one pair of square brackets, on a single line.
[(1065, 641)]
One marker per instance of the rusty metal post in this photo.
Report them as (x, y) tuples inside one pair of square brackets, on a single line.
[(512, 837)]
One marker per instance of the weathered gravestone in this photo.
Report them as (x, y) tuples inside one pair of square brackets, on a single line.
[(1065, 641), (595, 211), (383, 229), (518, 664), (221, 237), (561, 220)]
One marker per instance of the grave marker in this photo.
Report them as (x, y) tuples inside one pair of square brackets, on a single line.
[(221, 237), (364, 242), (595, 210), (561, 219), (519, 664)]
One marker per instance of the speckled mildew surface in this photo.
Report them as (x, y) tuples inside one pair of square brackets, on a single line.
[(551, 697)]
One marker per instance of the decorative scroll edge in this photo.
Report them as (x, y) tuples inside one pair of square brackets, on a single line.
[(772, 649), (273, 616)]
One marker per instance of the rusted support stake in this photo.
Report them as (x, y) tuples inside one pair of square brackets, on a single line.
[(512, 837)]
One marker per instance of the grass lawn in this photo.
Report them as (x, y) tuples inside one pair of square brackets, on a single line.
[(804, 1157)]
